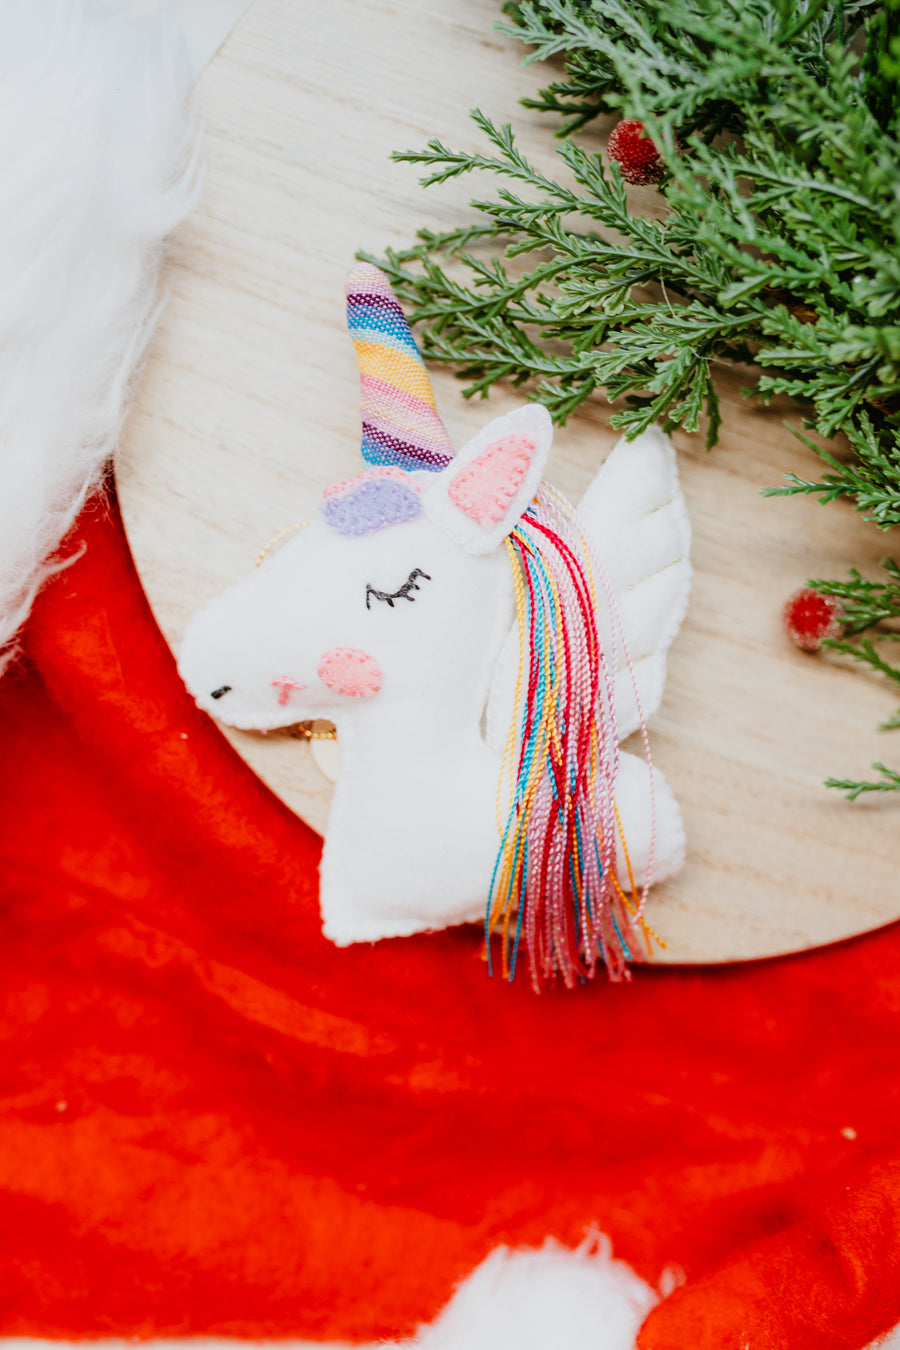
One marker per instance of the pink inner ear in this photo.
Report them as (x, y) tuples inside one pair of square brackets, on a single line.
[(484, 489)]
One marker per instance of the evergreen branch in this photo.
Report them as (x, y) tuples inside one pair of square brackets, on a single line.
[(889, 782), (872, 479), (778, 245), (866, 654), (866, 603)]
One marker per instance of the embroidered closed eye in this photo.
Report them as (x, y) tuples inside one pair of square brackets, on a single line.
[(404, 593)]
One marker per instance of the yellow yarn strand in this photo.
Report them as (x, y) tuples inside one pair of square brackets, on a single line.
[(645, 927)]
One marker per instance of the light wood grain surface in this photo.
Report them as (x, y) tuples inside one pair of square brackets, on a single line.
[(248, 407)]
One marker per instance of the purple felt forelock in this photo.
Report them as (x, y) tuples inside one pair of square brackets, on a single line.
[(370, 504)]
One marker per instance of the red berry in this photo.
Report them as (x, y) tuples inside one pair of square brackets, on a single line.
[(634, 152), (810, 618)]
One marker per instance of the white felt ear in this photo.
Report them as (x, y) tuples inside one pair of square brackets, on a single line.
[(479, 498)]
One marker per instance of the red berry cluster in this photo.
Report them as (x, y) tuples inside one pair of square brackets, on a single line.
[(810, 618), (632, 149)]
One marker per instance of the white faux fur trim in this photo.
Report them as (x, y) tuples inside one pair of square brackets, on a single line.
[(205, 24), (550, 1298), (95, 162)]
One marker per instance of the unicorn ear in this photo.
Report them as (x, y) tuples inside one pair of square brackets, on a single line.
[(479, 498)]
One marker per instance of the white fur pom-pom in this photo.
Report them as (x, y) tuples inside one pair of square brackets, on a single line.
[(96, 158), (551, 1298)]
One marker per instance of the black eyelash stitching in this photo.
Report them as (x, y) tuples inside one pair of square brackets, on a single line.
[(405, 592)]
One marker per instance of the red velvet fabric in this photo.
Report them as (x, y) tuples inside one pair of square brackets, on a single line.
[(213, 1121)]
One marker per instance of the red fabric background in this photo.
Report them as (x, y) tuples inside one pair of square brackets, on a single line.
[(214, 1121)]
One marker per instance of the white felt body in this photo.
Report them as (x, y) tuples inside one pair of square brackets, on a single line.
[(413, 832), (417, 787)]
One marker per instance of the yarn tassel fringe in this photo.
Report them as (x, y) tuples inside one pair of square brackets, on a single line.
[(555, 897)]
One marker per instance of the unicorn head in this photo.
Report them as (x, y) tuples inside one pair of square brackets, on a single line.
[(392, 591), (390, 614), (398, 593)]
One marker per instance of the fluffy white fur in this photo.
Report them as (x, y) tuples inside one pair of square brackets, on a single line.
[(95, 163), (417, 786), (205, 24), (547, 1299)]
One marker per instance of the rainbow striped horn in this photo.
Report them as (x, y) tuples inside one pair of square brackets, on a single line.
[(400, 424)]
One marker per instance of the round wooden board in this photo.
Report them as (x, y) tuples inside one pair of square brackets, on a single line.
[(248, 407)]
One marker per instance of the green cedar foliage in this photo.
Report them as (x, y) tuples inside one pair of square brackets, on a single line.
[(778, 124)]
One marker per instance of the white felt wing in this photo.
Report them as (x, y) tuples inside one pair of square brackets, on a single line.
[(635, 517), (651, 823)]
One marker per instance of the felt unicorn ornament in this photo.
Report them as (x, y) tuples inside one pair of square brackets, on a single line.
[(482, 649)]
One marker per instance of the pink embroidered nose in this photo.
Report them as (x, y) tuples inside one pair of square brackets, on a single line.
[(284, 684), (347, 670)]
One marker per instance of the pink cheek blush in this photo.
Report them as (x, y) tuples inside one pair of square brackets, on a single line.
[(349, 671)]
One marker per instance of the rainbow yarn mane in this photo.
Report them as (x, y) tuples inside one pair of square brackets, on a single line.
[(554, 891)]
